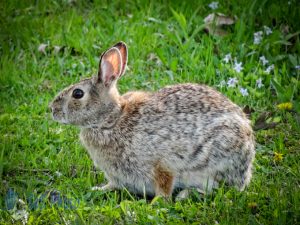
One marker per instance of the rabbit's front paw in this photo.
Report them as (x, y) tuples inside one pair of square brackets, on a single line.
[(105, 188)]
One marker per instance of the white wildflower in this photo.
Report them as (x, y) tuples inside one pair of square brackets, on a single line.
[(297, 67), (227, 58), (258, 37), (232, 82), (58, 174), (57, 49), (21, 201), (42, 48), (263, 60), (259, 83), (269, 69), (213, 5), (129, 213), (21, 215), (244, 91), (268, 30), (238, 66)]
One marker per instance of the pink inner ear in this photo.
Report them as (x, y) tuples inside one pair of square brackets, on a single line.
[(110, 66), (121, 46)]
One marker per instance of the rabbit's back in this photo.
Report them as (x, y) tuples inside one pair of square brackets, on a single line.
[(194, 128)]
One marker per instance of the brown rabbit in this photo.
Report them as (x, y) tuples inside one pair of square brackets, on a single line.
[(183, 136)]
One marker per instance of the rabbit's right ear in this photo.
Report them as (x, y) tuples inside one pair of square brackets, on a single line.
[(110, 66), (124, 55)]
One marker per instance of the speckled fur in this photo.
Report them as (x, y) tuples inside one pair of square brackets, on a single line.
[(182, 136)]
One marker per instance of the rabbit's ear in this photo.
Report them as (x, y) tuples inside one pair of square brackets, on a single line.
[(124, 55), (110, 67)]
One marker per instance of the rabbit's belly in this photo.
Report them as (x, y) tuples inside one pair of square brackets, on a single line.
[(196, 179), (138, 186)]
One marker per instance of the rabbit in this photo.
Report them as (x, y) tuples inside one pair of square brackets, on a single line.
[(185, 136)]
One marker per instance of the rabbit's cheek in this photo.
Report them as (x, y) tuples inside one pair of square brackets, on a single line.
[(75, 106)]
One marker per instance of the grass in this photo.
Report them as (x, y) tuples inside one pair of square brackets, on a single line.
[(46, 175)]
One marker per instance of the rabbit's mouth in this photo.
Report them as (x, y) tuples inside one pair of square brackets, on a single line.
[(59, 117)]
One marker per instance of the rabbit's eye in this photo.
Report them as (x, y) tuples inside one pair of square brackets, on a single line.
[(77, 93)]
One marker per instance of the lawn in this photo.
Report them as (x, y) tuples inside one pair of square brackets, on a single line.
[(47, 176)]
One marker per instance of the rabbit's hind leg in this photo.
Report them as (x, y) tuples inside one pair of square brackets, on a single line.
[(163, 181)]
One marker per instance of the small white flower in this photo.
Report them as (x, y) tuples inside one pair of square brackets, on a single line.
[(269, 69), (259, 83), (232, 82), (297, 67), (268, 30), (238, 66), (213, 5), (258, 37), (57, 49), (21, 202), (227, 58), (58, 174), (263, 60), (42, 48), (21, 215), (244, 91)]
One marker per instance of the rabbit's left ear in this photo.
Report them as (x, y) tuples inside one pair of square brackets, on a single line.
[(112, 64)]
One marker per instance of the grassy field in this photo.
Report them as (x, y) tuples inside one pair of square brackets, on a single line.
[(46, 176)]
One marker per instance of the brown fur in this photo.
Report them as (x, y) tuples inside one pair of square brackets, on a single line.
[(163, 180)]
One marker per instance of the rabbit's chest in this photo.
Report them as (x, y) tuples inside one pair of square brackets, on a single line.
[(107, 153)]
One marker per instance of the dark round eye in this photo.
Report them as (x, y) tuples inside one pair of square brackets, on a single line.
[(77, 93)]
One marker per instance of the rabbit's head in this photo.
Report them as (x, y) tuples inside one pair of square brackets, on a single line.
[(93, 101)]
